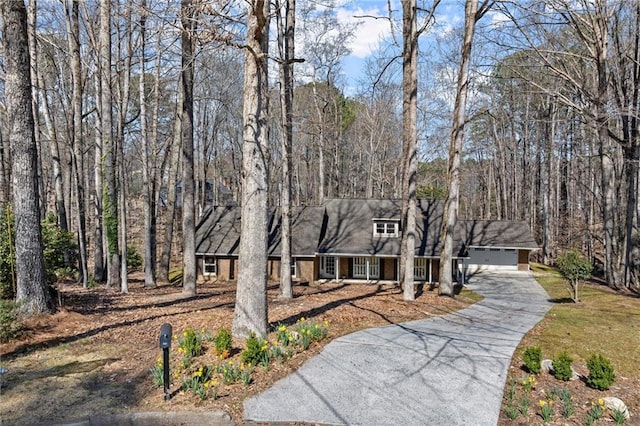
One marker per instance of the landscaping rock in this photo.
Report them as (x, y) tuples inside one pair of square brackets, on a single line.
[(546, 366), (612, 403)]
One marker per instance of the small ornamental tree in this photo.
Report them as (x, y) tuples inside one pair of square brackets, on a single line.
[(574, 268)]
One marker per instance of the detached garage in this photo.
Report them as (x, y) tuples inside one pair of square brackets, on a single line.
[(497, 245)]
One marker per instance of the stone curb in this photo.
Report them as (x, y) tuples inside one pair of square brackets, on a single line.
[(158, 418)]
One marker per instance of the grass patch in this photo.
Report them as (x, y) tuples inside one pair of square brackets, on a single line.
[(603, 322)]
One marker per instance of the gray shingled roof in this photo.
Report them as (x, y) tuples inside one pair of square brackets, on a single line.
[(218, 232), (498, 233), (348, 227), (345, 227)]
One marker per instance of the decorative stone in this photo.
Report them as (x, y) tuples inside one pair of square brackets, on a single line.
[(546, 366), (574, 375), (612, 403)]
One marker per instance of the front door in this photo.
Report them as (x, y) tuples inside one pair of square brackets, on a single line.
[(327, 267)]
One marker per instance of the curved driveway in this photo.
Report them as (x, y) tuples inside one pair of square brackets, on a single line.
[(448, 370)]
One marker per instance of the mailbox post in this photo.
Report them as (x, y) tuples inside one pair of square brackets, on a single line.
[(165, 345)]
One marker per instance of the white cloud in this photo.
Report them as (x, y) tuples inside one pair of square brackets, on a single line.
[(372, 27)]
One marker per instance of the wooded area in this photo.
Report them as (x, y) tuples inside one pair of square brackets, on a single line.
[(142, 114)]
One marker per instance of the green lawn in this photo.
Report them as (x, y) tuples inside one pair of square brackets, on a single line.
[(603, 322)]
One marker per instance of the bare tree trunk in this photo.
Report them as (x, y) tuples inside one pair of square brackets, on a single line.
[(122, 222), (109, 148), (77, 142), (39, 95), (450, 215), (147, 184), (99, 272), (188, 207), (31, 284), (4, 178), (250, 313), (409, 141), (287, 54), (172, 181)]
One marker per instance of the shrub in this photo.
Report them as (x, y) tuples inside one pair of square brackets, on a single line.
[(223, 342), (562, 367), (532, 357), (134, 260), (574, 268), (60, 251), (601, 373), (10, 324), (7, 258), (256, 350)]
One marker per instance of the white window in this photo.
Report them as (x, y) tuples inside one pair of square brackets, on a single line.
[(209, 266), (294, 268), (360, 267), (366, 267), (420, 268), (374, 267), (385, 229)]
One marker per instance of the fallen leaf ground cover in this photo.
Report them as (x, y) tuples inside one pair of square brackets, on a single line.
[(95, 355)]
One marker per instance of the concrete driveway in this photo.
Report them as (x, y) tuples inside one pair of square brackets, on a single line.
[(449, 370)]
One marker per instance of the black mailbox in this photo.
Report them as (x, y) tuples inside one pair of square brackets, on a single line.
[(165, 336)]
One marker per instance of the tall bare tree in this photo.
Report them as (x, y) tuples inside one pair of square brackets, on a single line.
[(250, 313), (109, 149), (286, 47), (172, 182), (450, 217), (409, 141), (148, 160), (31, 284), (188, 190), (73, 34)]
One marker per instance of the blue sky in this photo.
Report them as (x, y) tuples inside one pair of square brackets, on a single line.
[(371, 31)]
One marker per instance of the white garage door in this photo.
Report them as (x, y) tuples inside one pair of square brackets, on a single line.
[(484, 258)]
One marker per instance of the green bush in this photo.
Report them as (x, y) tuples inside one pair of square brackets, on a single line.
[(60, 251), (10, 324), (601, 373), (7, 257), (223, 342), (532, 357), (562, 367), (134, 260), (256, 350)]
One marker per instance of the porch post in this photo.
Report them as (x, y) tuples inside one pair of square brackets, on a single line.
[(336, 266), (367, 265), (430, 271)]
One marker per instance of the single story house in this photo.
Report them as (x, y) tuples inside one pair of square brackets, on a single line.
[(359, 240)]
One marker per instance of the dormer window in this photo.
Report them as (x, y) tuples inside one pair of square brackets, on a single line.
[(386, 228)]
